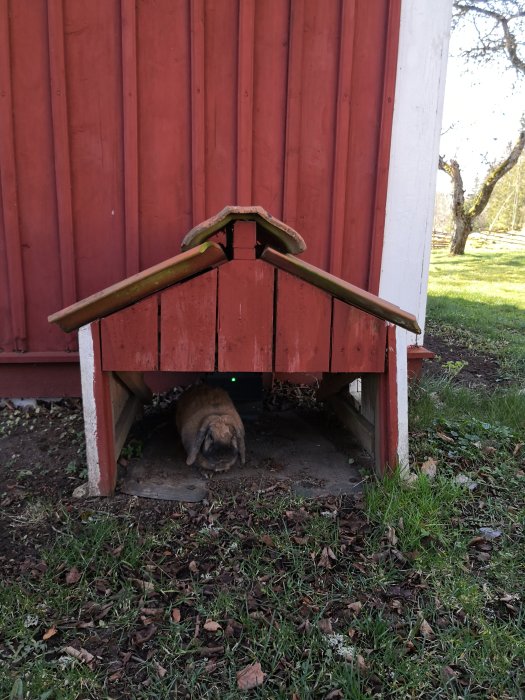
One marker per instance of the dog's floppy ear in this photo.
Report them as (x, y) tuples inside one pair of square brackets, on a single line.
[(197, 444)]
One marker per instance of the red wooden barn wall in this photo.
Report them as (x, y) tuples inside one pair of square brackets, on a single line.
[(125, 122)]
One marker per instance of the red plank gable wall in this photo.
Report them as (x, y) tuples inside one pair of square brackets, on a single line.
[(125, 122)]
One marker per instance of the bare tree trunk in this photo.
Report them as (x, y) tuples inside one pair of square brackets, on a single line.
[(463, 223), (462, 230), (464, 214)]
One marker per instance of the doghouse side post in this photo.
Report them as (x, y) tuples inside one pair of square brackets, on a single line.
[(98, 414), (387, 422)]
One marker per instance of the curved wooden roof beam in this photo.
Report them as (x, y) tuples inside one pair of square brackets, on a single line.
[(275, 232)]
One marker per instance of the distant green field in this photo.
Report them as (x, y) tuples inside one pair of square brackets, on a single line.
[(479, 300)]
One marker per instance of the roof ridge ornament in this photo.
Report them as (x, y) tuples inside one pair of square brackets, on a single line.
[(273, 232)]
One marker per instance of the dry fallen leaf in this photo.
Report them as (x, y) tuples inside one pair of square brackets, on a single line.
[(325, 625), (50, 633), (153, 612), (145, 586), (508, 597), (334, 694), (210, 666), (361, 663), (211, 626), (193, 567), (300, 540), (79, 654), (144, 635), (444, 437), (73, 576), (448, 673), (324, 560), (250, 677), (175, 615), (161, 671), (355, 607), (517, 448), (391, 535), (429, 468), (426, 630), (267, 540)]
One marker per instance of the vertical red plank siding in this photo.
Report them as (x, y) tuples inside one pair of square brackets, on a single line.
[(188, 314), (130, 338), (302, 326), (8, 182), (245, 102), (94, 88), (221, 36), (124, 123), (165, 127), (245, 316), (128, 14), (385, 137), (269, 103), (358, 340), (6, 332), (365, 120), (342, 134), (57, 70), (60, 128), (198, 115), (318, 115), (293, 114)]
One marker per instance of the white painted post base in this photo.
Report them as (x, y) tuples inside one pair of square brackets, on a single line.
[(98, 414)]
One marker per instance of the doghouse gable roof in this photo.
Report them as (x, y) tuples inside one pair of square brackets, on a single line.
[(280, 244)]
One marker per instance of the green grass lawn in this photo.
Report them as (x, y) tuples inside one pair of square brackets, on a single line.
[(478, 299)]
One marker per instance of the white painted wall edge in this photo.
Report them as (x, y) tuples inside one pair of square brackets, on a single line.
[(418, 107), (87, 380)]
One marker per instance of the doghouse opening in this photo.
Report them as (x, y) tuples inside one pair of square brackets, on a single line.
[(293, 441)]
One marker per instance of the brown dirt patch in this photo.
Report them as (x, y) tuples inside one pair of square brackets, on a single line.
[(479, 370)]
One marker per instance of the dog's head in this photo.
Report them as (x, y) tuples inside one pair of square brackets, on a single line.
[(218, 445)]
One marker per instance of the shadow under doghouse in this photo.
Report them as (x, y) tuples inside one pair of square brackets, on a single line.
[(291, 443)]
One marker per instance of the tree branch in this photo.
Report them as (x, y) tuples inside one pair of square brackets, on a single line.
[(494, 176), (510, 43)]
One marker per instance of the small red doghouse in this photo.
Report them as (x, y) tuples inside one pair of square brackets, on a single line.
[(236, 300)]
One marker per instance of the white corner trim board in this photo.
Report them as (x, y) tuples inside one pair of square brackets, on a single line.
[(418, 106), (87, 379)]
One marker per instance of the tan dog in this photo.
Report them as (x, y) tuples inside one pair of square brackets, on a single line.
[(210, 428)]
